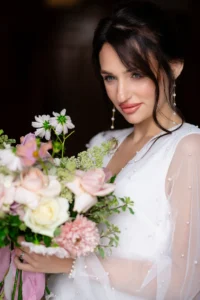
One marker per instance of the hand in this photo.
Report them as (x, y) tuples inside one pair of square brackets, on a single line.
[(39, 263)]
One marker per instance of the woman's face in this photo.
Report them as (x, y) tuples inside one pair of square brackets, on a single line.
[(132, 94)]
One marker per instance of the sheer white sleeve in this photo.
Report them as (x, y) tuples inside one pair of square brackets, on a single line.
[(175, 273)]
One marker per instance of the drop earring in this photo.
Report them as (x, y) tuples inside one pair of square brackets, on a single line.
[(113, 118), (174, 98), (174, 94)]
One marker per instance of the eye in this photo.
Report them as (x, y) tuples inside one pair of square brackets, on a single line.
[(108, 78), (136, 75)]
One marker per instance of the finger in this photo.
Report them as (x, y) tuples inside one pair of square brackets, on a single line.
[(26, 257), (23, 266), (25, 249), (20, 239)]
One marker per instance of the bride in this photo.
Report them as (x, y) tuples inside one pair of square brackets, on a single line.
[(157, 163)]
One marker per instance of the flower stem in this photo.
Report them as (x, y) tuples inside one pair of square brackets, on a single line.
[(43, 166), (15, 284), (20, 296), (69, 135), (1, 284), (64, 140), (2, 295)]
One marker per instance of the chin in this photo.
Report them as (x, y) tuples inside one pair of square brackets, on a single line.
[(134, 120), (137, 118)]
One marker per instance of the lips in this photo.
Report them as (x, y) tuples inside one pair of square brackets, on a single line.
[(124, 106), (130, 108)]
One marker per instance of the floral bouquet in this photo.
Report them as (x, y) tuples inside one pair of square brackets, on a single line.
[(54, 201)]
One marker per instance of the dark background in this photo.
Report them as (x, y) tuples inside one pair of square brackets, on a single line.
[(45, 65)]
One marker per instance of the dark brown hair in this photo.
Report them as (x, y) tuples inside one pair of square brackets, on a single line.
[(138, 30)]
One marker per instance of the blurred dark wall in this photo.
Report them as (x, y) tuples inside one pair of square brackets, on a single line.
[(45, 65)]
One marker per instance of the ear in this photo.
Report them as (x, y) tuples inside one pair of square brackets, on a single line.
[(177, 68)]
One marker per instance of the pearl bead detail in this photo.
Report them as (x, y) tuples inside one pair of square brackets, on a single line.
[(72, 269), (113, 118)]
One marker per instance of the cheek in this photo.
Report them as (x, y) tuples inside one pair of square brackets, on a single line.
[(111, 91), (146, 91)]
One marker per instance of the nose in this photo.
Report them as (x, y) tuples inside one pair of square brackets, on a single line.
[(123, 93)]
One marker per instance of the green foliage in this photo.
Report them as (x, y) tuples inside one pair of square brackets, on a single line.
[(100, 214), (112, 179), (93, 157), (5, 140), (11, 227)]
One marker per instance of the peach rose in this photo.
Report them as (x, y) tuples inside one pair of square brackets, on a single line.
[(87, 186), (33, 185)]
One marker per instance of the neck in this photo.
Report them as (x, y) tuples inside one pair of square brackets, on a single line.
[(148, 128)]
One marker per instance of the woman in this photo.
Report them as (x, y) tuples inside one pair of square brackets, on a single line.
[(158, 167)]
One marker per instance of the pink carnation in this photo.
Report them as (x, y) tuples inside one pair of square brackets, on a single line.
[(79, 237)]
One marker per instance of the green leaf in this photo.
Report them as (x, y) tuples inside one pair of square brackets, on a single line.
[(57, 146), (47, 241), (112, 180), (131, 211), (22, 227), (124, 208), (47, 290), (57, 232), (29, 238), (101, 252)]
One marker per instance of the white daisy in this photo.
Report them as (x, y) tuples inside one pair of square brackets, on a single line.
[(61, 122), (43, 126)]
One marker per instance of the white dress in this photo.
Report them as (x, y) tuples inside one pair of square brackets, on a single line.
[(159, 252)]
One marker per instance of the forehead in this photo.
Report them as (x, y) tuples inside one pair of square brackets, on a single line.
[(109, 59)]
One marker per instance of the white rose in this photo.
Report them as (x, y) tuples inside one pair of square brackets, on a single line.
[(49, 214)]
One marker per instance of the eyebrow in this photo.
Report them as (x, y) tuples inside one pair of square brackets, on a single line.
[(105, 72), (110, 73)]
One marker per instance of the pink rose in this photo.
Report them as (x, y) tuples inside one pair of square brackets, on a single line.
[(87, 186), (94, 182)]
